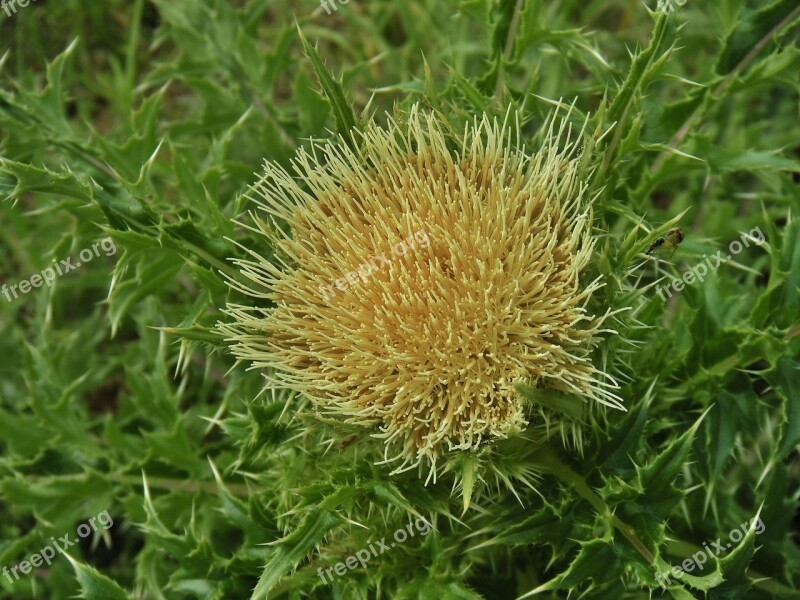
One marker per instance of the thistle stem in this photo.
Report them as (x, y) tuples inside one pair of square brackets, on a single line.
[(509, 48), (718, 93), (557, 467)]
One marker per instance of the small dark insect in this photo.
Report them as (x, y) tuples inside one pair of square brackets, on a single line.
[(346, 443), (664, 247)]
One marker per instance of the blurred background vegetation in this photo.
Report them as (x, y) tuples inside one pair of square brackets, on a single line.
[(147, 120)]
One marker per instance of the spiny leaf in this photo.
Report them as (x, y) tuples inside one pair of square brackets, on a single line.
[(656, 479), (334, 92), (293, 548), (597, 560), (785, 380), (95, 585)]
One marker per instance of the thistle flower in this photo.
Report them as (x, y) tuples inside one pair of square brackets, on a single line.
[(423, 277)]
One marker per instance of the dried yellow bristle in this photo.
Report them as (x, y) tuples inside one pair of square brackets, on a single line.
[(426, 345)]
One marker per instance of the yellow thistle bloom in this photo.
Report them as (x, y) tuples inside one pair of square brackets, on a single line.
[(423, 278)]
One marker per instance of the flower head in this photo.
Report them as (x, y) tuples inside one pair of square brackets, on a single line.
[(423, 275)]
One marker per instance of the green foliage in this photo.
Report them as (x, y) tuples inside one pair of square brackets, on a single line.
[(145, 122)]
